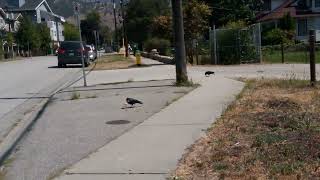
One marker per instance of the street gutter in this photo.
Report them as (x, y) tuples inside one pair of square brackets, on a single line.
[(25, 124)]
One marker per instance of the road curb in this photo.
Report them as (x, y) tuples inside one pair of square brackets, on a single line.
[(16, 134), (24, 125)]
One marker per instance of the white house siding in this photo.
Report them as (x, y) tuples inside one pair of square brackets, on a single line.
[(2, 23), (38, 16), (276, 3), (314, 8), (312, 23), (60, 29), (53, 30), (43, 8)]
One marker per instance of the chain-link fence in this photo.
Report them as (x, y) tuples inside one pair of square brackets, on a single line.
[(293, 53), (236, 46)]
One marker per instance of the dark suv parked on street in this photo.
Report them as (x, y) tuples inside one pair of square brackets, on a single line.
[(70, 53)]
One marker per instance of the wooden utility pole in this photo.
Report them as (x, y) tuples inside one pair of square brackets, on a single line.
[(282, 51), (77, 13), (312, 40), (115, 26), (125, 37), (180, 50)]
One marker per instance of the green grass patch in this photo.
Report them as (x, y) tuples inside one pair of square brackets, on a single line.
[(75, 96), (289, 57)]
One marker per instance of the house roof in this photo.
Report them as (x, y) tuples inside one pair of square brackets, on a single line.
[(31, 5), (285, 8), (2, 13), (3, 3)]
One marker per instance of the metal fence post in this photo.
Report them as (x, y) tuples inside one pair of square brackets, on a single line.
[(259, 42), (215, 44), (312, 40)]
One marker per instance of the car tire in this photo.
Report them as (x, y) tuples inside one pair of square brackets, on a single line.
[(86, 63)]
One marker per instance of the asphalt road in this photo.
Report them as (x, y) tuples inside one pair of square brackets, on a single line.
[(69, 130), (27, 79)]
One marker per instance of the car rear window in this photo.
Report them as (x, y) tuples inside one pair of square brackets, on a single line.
[(70, 45)]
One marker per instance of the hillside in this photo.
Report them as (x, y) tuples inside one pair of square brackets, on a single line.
[(65, 7), (104, 7)]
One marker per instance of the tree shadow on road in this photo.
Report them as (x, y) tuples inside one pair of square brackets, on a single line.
[(67, 67)]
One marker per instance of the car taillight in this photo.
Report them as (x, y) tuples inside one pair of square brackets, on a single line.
[(61, 51)]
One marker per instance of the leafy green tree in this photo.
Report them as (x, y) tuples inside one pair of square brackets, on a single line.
[(89, 25), (140, 15), (162, 45), (71, 33), (162, 27), (236, 24), (26, 35), (10, 38), (224, 11), (10, 41), (1, 48), (105, 35), (287, 23), (279, 36), (196, 15), (94, 20), (45, 38)]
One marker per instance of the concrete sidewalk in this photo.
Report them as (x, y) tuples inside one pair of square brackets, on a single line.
[(152, 149)]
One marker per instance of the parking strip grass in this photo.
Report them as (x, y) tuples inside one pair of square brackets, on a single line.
[(272, 131), (299, 57), (113, 62)]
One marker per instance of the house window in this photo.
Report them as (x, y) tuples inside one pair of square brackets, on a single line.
[(266, 5), (317, 3), (302, 27)]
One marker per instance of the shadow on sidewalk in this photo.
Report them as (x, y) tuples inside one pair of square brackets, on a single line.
[(115, 88), (17, 98)]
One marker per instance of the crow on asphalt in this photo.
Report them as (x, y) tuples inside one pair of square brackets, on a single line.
[(132, 101), (208, 73)]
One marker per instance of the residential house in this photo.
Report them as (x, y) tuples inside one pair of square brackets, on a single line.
[(305, 12), (9, 22), (39, 11)]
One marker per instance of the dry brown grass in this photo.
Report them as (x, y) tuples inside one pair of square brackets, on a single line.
[(271, 132), (114, 62)]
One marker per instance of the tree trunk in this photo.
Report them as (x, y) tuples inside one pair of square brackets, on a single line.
[(282, 52), (180, 54)]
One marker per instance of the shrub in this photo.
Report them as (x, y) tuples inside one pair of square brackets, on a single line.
[(162, 45), (235, 44)]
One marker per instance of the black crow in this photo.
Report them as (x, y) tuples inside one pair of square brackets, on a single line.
[(132, 101), (208, 73)]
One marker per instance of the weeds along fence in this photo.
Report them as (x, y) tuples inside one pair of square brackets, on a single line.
[(236, 46), (198, 51), (293, 53)]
